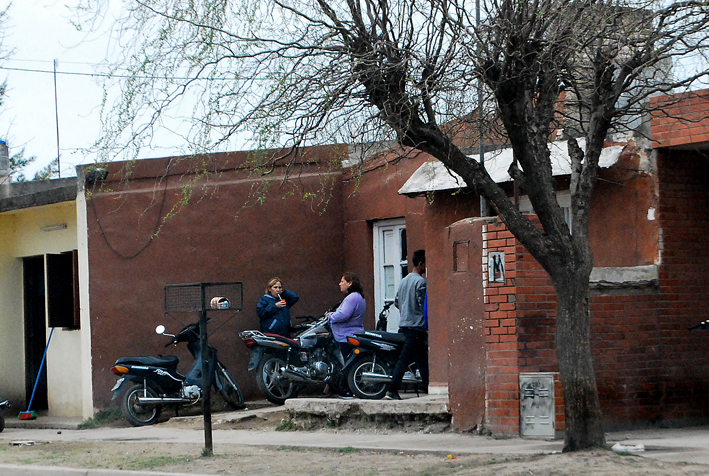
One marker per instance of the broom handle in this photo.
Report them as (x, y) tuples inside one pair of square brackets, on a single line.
[(41, 366)]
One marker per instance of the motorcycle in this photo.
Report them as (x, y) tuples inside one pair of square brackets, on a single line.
[(3, 404), (374, 359), (156, 381), (285, 366)]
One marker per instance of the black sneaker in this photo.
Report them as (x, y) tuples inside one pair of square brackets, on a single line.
[(392, 396)]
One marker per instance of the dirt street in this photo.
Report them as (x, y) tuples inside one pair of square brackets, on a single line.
[(292, 459)]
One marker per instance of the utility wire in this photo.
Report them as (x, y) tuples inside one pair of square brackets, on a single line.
[(108, 75)]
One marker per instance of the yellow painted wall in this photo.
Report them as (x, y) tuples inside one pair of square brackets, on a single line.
[(21, 236), (12, 354)]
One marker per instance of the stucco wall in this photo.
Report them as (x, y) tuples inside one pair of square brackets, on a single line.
[(12, 374), (22, 237)]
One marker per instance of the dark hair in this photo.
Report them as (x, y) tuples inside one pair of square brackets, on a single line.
[(419, 257), (355, 286)]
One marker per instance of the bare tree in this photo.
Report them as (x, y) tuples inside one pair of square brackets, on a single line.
[(304, 72)]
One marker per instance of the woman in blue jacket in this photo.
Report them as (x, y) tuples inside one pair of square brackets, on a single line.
[(273, 308)]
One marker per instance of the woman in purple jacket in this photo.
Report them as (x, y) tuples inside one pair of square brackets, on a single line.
[(349, 316)]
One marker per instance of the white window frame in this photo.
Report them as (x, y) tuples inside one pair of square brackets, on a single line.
[(563, 197)]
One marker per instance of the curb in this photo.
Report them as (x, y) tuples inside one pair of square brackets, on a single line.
[(28, 470)]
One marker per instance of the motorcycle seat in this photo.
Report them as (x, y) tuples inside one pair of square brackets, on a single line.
[(169, 362), (286, 340), (393, 337)]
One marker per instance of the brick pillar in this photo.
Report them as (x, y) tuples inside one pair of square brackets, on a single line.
[(520, 308), (502, 374)]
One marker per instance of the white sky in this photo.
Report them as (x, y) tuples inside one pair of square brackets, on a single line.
[(39, 32)]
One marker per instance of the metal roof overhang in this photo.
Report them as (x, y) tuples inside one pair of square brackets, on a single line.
[(434, 176)]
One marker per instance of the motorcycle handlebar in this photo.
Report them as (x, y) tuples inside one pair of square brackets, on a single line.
[(702, 325), (310, 318)]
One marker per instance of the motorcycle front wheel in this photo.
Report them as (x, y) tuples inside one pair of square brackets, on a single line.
[(229, 391), (275, 388), (363, 389), (135, 413)]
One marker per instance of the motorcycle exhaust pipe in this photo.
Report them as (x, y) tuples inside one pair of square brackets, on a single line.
[(142, 400), (371, 377), (296, 376), (6, 403)]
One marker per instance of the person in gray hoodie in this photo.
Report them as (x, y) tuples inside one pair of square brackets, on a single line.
[(410, 298)]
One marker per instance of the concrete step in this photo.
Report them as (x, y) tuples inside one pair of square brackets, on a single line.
[(410, 412)]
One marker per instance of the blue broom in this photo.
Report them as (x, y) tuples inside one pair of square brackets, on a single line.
[(31, 415)]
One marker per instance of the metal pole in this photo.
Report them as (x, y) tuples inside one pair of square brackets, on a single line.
[(481, 134), (206, 379), (56, 118)]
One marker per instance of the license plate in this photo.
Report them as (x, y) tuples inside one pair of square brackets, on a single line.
[(118, 384)]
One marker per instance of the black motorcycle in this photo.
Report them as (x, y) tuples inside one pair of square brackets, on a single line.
[(375, 356), (157, 383), (285, 366), (3, 404)]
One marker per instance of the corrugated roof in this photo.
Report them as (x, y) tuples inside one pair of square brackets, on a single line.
[(434, 176)]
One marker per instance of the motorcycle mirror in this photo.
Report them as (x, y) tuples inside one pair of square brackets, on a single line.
[(160, 329)]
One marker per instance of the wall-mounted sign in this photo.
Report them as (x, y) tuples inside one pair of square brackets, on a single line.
[(496, 267)]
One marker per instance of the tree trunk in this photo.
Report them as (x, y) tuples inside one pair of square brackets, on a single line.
[(584, 425)]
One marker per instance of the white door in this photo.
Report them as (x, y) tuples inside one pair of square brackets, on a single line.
[(390, 266)]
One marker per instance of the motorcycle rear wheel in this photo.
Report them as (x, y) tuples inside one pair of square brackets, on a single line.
[(2, 422), (229, 391), (135, 413), (367, 390), (276, 389)]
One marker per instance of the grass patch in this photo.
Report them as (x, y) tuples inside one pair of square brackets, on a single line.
[(285, 425), (151, 462), (290, 448), (348, 449), (102, 418)]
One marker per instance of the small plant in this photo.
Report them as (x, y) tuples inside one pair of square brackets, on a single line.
[(101, 418), (348, 449), (290, 448), (285, 425)]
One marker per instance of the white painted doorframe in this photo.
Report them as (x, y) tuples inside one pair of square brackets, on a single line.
[(389, 262)]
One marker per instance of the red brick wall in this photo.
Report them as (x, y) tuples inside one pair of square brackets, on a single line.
[(519, 330), (684, 280), (215, 238), (650, 369), (680, 119)]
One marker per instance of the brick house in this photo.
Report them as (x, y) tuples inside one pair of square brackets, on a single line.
[(492, 332)]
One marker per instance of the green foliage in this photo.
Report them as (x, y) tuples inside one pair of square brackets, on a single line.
[(48, 172), (102, 418), (348, 449), (285, 425), (297, 449)]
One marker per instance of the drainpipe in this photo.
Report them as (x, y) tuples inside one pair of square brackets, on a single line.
[(5, 177)]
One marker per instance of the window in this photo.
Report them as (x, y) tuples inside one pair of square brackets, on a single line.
[(63, 290), (563, 197)]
